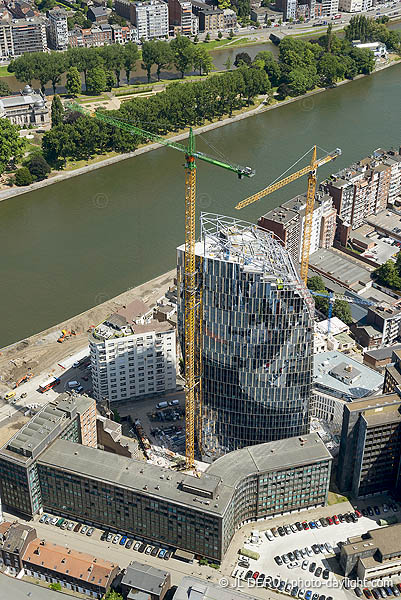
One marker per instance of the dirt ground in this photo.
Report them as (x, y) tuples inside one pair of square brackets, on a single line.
[(41, 351)]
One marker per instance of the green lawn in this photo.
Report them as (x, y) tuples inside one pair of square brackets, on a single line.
[(336, 498), (4, 72)]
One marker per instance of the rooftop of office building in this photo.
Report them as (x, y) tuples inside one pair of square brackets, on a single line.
[(340, 268), (256, 250), (212, 489), (385, 539), (144, 577), (342, 376), (44, 427), (374, 402)]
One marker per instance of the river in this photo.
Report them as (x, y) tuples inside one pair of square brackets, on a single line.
[(74, 244)]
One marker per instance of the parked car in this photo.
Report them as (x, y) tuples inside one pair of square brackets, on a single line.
[(312, 567), (116, 539), (84, 529), (370, 511), (287, 529), (318, 571), (305, 525), (167, 555), (104, 535), (358, 592), (278, 560), (330, 521), (274, 531), (142, 547), (364, 512), (90, 531), (328, 547), (325, 574), (255, 575), (269, 535), (70, 526), (299, 526), (162, 553), (43, 518), (309, 551), (54, 521), (395, 590), (358, 513), (64, 525), (312, 524), (109, 537), (315, 548), (77, 527), (297, 554), (293, 565), (294, 528), (137, 545), (336, 520), (248, 574), (375, 594), (149, 550), (281, 531), (308, 595), (155, 551), (295, 591), (305, 564), (377, 510)]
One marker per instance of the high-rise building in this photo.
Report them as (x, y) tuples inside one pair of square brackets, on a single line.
[(370, 448), (132, 354), (151, 19), (329, 8), (257, 342), (57, 29)]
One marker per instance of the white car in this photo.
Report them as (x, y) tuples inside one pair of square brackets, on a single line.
[(54, 520), (76, 364), (305, 564), (269, 535), (301, 593), (293, 565), (385, 508), (294, 528), (318, 523)]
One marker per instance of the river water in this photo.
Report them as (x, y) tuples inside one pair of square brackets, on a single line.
[(74, 244)]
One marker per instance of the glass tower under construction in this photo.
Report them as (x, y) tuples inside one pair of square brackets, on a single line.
[(256, 347)]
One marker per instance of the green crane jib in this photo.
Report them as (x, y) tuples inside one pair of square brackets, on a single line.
[(193, 297), (154, 137)]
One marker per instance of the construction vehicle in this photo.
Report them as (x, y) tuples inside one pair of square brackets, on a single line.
[(65, 335), (192, 294), (9, 395), (23, 379), (310, 170)]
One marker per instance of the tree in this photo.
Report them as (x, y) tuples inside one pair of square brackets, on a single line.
[(56, 66), (23, 177), (115, 19), (330, 69), (12, 146), (196, 39), (271, 66), (38, 166), (183, 51), (113, 595), (202, 60), (57, 111), (342, 310), (299, 81), (242, 58), (162, 56), (364, 60), (113, 58), (316, 284), (148, 57), (56, 586), (4, 89), (130, 57), (283, 91), (96, 80), (73, 83), (23, 68), (207, 37), (231, 34), (219, 35)]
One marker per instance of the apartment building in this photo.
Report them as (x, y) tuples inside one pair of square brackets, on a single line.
[(387, 321), (73, 570), (370, 447), (57, 29), (122, 35), (132, 354), (287, 223), (6, 38), (29, 35), (69, 417), (14, 539), (329, 8), (124, 8), (94, 37), (195, 514), (211, 19), (180, 14), (151, 19), (374, 555)]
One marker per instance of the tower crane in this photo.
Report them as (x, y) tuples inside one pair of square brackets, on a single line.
[(310, 170), (192, 375)]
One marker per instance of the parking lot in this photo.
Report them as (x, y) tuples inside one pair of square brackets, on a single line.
[(313, 573)]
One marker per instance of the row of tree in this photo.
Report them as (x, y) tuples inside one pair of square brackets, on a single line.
[(180, 105)]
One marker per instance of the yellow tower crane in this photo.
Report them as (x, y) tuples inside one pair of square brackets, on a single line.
[(192, 296), (310, 200)]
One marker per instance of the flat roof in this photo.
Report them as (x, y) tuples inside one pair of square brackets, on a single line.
[(386, 539), (388, 221), (382, 353), (374, 402), (165, 484), (382, 415), (192, 588), (325, 363), (340, 267)]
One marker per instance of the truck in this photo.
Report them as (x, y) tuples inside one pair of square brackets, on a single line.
[(9, 395)]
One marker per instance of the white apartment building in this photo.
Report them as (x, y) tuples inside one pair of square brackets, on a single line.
[(6, 41), (132, 355), (329, 8), (29, 35), (151, 19), (353, 6), (57, 29)]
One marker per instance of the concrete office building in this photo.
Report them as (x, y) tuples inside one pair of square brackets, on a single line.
[(257, 339), (171, 508), (370, 448), (374, 555), (57, 29), (151, 19), (72, 418), (132, 354)]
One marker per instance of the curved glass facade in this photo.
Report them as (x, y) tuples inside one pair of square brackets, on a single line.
[(256, 338)]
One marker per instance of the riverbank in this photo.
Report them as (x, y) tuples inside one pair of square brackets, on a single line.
[(41, 352), (61, 176)]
